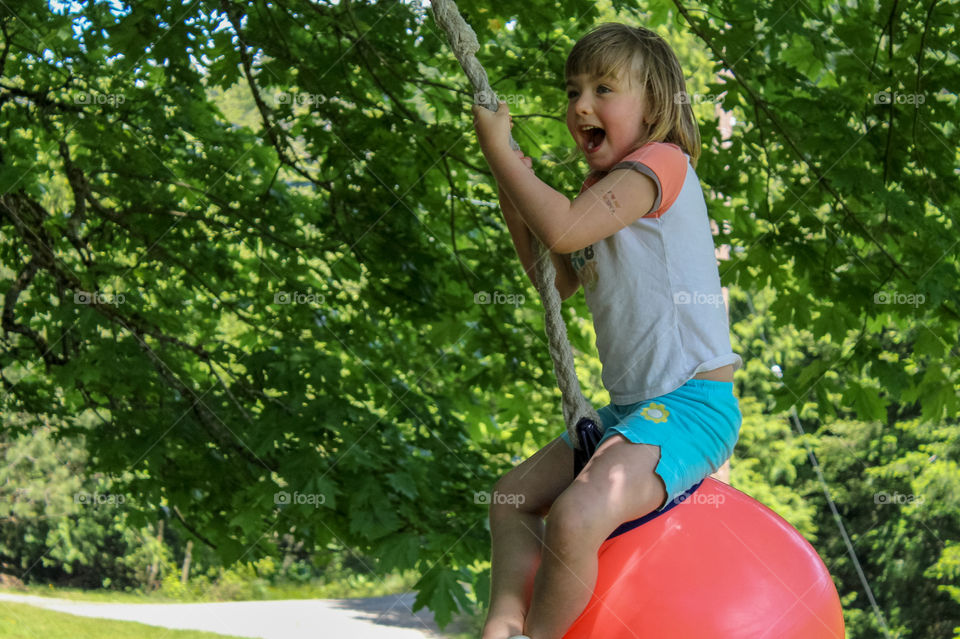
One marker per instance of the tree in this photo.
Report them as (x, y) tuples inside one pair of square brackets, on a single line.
[(59, 525)]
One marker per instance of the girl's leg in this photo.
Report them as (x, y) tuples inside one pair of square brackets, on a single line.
[(617, 485), (521, 499)]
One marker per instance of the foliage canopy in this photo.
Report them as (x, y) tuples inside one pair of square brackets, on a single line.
[(242, 304)]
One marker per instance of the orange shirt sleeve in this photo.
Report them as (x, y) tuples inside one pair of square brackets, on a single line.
[(666, 165)]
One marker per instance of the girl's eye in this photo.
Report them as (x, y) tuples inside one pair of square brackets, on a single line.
[(601, 88)]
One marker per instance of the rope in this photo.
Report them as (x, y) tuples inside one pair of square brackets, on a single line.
[(839, 520), (464, 43)]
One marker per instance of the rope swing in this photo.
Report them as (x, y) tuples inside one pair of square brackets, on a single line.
[(581, 419)]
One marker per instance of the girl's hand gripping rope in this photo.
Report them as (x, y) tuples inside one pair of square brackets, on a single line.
[(493, 128)]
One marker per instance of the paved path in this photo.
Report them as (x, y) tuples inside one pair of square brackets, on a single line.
[(370, 618)]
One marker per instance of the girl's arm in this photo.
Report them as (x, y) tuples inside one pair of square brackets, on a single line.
[(566, 281)]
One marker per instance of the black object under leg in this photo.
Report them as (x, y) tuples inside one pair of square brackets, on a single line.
[(588, 435)]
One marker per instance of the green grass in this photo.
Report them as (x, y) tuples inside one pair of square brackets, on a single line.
[(102, 596), (20, 621), (344, 587)]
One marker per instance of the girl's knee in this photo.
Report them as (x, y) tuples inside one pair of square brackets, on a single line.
[(535, 484), (510, 484), (574, 523), (509, 495)]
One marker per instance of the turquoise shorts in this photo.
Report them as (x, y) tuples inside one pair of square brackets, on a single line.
[(696, 427)]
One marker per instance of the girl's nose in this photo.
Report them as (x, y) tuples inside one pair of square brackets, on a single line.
[(583, 105)]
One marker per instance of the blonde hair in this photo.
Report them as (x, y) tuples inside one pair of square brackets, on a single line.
[(650, 65)]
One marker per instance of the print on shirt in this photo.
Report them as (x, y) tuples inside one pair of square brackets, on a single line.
[(585, 264)]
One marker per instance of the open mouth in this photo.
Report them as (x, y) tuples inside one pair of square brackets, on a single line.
[(595, 136)]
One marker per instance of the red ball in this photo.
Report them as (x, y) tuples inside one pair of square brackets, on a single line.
[(717, 565)]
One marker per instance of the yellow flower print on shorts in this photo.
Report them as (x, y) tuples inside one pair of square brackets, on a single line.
[(656, 413)]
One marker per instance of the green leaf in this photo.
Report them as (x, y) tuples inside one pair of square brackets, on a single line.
[(404, 483), (865, 400), (399, 552), (439, 590), (800, 55)]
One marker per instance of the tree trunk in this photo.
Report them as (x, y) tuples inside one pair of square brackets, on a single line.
[(185, 574), (155, 566)]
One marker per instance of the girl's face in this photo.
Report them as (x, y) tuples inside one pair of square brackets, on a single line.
[(606, 117)]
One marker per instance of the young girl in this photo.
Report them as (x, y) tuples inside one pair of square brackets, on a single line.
[(638, 239)]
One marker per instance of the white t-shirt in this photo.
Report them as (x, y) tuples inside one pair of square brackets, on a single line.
[(653, 287)]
